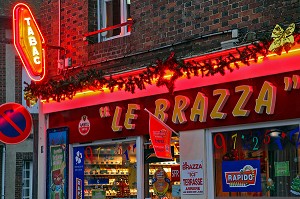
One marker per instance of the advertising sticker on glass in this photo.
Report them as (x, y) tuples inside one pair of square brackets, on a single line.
[(241, 176), (192, 177), (57, 163), (78, 172)]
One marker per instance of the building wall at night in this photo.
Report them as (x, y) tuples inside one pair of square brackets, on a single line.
[(159, 27), (193, 30), (11, 91)]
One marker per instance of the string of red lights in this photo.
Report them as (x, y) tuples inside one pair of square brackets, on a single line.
[(162, 73)]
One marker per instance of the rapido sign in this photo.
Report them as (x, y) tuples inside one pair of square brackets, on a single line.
[(29, 41)]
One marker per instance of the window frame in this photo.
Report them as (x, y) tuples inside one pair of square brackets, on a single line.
[(25, 177), (101, 19), (209, 147)]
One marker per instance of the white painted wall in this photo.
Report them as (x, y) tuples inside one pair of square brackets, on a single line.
[(42, 158), (26, 146), (193, 147)]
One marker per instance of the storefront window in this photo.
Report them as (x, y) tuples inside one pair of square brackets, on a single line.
[(164, 175), (109, 170), (257, 162)]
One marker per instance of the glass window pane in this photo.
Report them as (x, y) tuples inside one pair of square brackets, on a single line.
[(27, 178), (110, 168), (113, 12), (26, 183), (276, 152)]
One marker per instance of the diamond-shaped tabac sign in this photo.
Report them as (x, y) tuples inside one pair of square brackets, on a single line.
[(29, 41)]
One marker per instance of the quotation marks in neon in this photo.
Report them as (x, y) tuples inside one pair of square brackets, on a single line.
[(291, 83)]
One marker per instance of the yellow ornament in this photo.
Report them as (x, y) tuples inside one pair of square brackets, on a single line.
[(282, 38), (30, 99)]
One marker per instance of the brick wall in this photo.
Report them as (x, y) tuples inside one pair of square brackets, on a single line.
[(6, 6), (159, 27), (18, 80), (3, 43)]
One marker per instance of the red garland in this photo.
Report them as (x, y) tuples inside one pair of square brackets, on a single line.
[(94, 79)]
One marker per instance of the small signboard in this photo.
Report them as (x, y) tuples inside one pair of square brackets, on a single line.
[(282, 168), (241, 176), (98, 181), (175, 173), (57, 163), (192, 177), (84, 125), (29, 41)]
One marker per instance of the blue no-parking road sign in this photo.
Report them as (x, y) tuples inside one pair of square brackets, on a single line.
[(15, 123)]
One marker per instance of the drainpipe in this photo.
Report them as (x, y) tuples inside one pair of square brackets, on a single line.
[(98, 19), (3, 171), (59, 35)]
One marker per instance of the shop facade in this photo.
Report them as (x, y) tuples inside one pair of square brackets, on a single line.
[(238, 137), (216, 72)]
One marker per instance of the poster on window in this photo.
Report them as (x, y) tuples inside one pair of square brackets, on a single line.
[(98, 194), (241, 176), (57, 163), (192, 177), (282, 168), (78, 172)]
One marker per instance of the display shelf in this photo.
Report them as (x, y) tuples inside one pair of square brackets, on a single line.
[(164, 163), (103, 163), (167, 167), (109, 174), (111, 193), (112, 172)]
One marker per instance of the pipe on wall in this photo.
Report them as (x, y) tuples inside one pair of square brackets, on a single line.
[(3, 172)]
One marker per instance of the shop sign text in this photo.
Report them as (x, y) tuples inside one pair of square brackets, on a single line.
[(261, 99), (241, 176), (192, 177), (29, 42), (264, 103)]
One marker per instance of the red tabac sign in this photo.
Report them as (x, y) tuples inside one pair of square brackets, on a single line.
[(29, 41)]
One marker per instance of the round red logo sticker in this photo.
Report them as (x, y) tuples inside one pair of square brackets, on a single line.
[(84, 125)]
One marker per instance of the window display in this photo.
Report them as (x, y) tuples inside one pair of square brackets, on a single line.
[(109, 170), (257, 162), (164, 175)]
